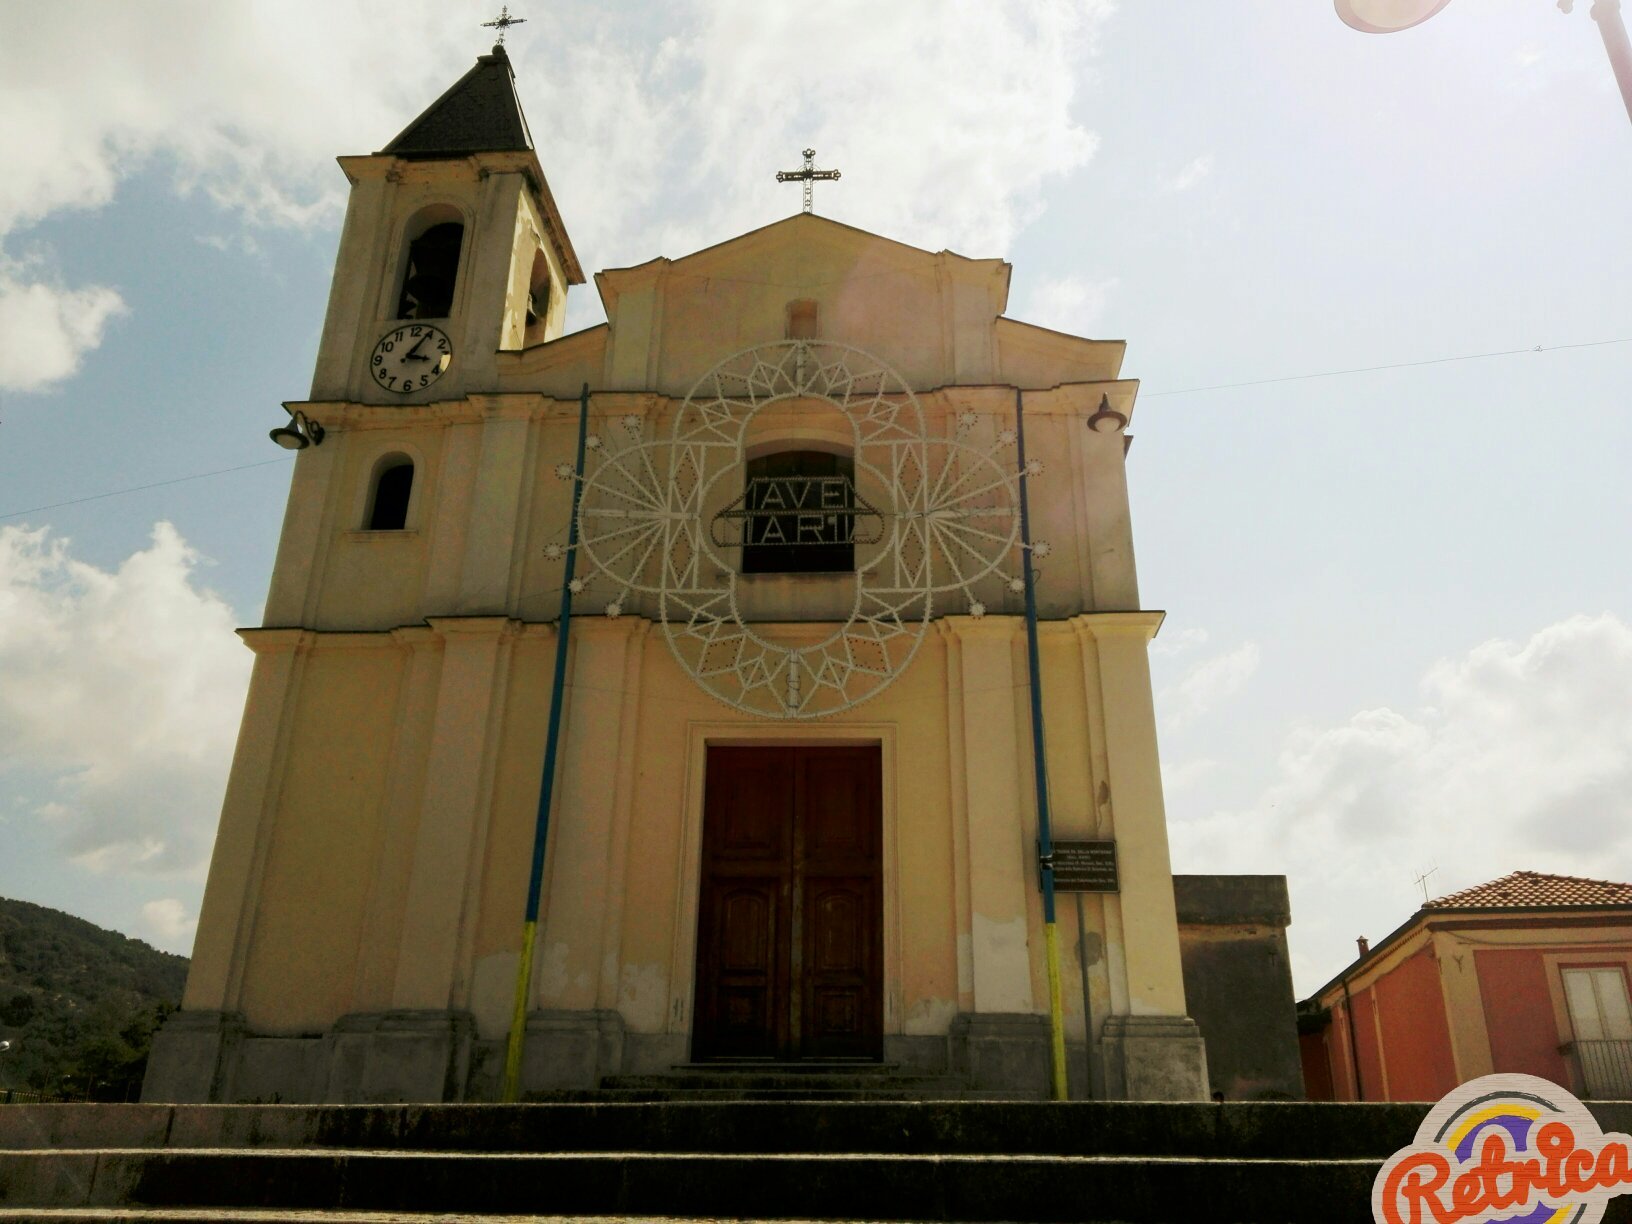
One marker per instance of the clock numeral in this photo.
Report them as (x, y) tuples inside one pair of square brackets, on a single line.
[(442, 345), (398, 334), (391, 380), (416, 331), (378, 360), (424, 380), (386, 346)]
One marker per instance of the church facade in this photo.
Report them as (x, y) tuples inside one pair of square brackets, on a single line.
[(794, 812)]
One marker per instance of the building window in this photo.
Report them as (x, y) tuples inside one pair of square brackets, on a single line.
[(388, 503), (432, 268), (800, 516), (1602, 1024)]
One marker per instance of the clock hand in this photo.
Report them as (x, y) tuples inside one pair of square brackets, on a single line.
[(413, 353)]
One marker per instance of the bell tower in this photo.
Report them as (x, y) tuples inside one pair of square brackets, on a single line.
[(451, 234)]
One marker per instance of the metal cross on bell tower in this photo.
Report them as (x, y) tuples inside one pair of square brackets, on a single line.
[(807, 175), (503, 22)]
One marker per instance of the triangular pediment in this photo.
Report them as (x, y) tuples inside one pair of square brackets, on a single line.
[(806, 250), (936, 317)]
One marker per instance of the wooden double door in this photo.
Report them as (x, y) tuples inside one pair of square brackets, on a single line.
[(790, 922)]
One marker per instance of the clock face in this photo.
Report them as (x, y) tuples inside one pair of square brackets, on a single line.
[(410, 358)]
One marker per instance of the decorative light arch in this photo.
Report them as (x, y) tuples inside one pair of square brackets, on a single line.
[(949, 509)]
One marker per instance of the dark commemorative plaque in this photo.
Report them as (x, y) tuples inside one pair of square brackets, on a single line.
[(1085, 866)]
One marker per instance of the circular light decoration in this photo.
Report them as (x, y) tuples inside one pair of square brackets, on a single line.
[(932, 518)]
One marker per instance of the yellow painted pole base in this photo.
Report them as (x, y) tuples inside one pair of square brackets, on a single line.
[(1056, 1012), (518, 1016)]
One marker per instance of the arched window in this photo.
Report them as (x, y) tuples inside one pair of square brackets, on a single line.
[(393, 485), (800, 514), (432, 269)]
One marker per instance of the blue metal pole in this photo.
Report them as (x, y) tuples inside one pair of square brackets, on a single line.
[(546, 787), (1045, 836)]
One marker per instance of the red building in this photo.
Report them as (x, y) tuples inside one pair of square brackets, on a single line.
[(1526, 973)]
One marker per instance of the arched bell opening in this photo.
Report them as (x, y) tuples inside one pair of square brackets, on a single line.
[(430, 270)]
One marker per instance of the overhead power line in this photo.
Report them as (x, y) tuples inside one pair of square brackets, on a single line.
[(1254, 382), (1396, 365), (157, 484)]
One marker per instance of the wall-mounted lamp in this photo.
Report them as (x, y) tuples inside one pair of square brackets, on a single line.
[(300, 433)]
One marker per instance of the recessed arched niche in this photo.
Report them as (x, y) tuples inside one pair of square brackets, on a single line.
[(391, 490)]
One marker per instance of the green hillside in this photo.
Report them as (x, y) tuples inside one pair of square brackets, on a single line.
[(79, 1004)]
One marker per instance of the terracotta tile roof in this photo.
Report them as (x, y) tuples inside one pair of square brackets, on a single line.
[(1533, 888)]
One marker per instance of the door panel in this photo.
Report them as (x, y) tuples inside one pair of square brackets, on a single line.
[(790, 939)]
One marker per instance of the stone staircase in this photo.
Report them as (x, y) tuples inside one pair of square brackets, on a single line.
[(853, 1080), (713, 1159)]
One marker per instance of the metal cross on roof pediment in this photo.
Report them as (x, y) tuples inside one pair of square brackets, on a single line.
[(503, 22), (807, 175)]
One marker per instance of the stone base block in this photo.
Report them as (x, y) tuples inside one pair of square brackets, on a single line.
[(1001, 1052), (1153, 1058), (654, 1053), (278, 1071), (571, 1049), (193, 1056), (399, 1056), (916, 1053)]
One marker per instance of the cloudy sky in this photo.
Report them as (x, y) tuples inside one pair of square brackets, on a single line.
[(1399, 634)]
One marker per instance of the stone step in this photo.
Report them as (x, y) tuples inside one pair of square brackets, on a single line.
[(758, 1079), (809, 1066), (125, 1215), (676, 1095), (1282, 1130), (850, 1186), (743, 1094)]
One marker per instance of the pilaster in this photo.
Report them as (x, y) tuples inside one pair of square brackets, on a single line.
[(582, 845), (292, 597), (1104, 484), (404, 792), (495, 516), (231, 895), (1148, 917), (998, 873), (453, 821)]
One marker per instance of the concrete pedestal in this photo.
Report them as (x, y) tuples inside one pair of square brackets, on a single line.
[(571, 1049), (399, 1056), (1001, 1051), (192, 1057), (1153, 1058)]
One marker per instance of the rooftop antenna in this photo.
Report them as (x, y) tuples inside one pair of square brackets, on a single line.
[(503, 22), (1421, 882)]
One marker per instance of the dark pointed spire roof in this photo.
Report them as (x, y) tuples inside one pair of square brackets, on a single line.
[(479, 114)]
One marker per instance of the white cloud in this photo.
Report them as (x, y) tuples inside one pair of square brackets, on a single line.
[(1182, 775), (123, 689), (1070, 304), (1206, 684), (1177, 641), (1519, 758), (168, 921), (1198, 169), (945, 116), (245, 103), (45, 329)]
